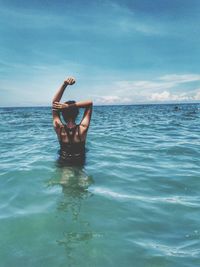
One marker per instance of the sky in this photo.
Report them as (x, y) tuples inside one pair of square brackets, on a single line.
[(120, 52)]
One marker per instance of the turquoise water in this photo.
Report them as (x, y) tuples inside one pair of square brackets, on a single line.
[(135, 203)]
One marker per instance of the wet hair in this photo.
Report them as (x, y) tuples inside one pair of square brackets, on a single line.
[(71, 112)]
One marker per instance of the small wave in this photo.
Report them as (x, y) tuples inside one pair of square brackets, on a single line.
[(186, 201), (169, 250)]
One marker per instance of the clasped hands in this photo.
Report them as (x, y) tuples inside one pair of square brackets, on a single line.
[(59, 106)]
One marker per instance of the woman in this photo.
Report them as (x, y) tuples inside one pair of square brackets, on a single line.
[(71, 136)]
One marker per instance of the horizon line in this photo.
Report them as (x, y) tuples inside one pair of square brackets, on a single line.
[(106, 105)]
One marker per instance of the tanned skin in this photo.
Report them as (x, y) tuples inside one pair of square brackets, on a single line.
[(58, 106)]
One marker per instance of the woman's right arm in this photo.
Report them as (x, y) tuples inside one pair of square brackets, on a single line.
[(55, 113)]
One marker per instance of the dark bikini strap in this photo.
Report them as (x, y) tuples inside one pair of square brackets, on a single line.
[(70, 136), (79, 135)]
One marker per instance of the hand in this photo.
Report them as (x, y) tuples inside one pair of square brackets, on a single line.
[(57, 123), (70, 81), (58, 106)]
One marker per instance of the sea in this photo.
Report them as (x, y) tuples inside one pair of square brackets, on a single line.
[(135, 203)]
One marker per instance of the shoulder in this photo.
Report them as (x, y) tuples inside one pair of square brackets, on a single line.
[(58, 127), (57, 124), (83, 127)]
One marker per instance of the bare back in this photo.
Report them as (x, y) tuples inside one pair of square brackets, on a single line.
[(76, 134)]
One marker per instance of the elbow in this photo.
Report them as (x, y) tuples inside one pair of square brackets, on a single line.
[(87, 103)]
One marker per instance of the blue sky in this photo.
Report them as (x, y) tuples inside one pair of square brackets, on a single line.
[(120, 52)]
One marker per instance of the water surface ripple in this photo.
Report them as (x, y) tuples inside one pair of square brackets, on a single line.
[(135, 203)]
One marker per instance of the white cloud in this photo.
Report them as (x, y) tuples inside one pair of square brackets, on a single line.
[(127, 21), (197, 95), (118, 20), (166, 88), (180, 78), (171, 87), (143, 85), (167, 96), (160, 96), (160, 83), (110, 99), (128, 25)]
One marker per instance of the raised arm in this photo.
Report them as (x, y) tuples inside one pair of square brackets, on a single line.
[(56, 116)]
